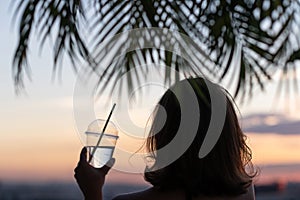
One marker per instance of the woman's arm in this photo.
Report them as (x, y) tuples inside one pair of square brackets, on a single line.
[(90, 179)]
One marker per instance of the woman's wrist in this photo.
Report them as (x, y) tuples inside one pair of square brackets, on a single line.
[(94, 196), (94, 193)]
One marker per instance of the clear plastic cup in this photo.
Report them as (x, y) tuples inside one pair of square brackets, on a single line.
[(104, 151)]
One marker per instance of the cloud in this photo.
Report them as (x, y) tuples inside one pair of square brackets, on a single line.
[(282, 166), (270, 123)]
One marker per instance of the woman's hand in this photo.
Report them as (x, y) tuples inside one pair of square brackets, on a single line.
[(89, 178)]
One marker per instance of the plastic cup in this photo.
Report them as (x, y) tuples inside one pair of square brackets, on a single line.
[(104, 151)]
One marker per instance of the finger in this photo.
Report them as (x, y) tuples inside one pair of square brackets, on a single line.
[(76, 170), (83, 154), (76, 176), (108, 166)]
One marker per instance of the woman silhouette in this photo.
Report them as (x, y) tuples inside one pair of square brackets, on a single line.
[(225, 172)]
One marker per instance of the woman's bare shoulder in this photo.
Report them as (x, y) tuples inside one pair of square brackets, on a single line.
[(151, 193), (249, 195)]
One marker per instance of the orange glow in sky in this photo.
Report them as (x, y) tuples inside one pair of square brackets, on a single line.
[(44, 159)]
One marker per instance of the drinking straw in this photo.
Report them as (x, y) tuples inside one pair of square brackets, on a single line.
[(105, 125)]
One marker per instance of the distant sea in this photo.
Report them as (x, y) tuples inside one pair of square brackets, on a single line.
[(70, 191), (59, 191)]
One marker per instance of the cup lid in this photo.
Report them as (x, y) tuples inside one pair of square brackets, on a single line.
[(98, 125)]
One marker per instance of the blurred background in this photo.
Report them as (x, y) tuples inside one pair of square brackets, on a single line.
[(40, 143)]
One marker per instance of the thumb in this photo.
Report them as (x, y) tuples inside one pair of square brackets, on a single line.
[(83, 154), (108, 165)]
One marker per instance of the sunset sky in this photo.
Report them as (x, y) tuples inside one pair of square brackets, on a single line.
[(40, 140)]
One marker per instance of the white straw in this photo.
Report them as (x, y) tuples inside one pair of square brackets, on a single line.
[(101, 135)]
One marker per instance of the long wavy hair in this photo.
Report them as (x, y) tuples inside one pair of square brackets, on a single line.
[(226, 170)]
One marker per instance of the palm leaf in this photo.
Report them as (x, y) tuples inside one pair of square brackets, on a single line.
[(222, 32)]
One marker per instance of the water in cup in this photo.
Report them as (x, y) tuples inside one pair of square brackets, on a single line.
[(104, 151)]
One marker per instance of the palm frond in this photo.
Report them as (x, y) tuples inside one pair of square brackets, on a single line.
[(47, 16), (261, 35)]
